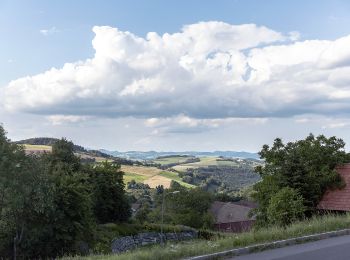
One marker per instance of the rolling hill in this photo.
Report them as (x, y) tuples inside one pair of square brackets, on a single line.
[(210, 170)]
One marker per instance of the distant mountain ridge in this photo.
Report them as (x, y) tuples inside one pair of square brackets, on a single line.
[(150, 155), (139, 155)]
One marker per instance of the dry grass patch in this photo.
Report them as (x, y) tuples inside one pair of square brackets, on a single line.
[(158, 180), (141, 170)]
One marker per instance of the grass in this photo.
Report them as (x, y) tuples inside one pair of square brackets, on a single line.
[(151, 176), (204, 162), (141, 170), (172, 159), (199, 247), (175, 176), (158, 180), (32, 147), (128, 176)]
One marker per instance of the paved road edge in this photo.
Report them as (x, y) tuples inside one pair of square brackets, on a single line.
[(271, 245)]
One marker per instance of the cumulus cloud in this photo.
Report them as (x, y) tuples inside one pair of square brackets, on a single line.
[(207, 71), (185, 124)]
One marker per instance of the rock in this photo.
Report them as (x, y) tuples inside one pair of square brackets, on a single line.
[(123, 244), (149, 238)]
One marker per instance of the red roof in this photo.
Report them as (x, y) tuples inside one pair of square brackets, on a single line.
[(338, 199)]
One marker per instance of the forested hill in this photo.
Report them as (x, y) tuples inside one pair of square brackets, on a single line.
[(47, 141)]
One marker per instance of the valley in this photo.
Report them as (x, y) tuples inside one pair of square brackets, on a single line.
[(212, 173)]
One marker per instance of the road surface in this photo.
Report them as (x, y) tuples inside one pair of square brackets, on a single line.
[(337, 248)]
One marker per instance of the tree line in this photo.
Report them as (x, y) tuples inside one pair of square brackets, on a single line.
[(51, 204)]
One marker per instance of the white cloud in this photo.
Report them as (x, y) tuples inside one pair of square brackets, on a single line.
[(302, 120), (185, 124), (207, 71), (336, 125), (49, 31), (64, 119)]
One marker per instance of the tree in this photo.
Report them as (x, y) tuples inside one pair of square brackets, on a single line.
[(51, 203), (189, 207), (110, 201), (285, 207), (71, 218), (25, 194), (307, 166)]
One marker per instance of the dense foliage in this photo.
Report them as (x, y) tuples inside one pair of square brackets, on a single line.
[(222, 179), (50, 205), (183, 206), (285, 207), (306, 166)]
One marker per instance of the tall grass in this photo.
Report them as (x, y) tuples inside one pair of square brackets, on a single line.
[(199, 247)]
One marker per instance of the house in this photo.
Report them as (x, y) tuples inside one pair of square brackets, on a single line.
[(339, 199), (232, 217)]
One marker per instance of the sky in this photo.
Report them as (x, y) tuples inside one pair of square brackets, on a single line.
[(175, 75)]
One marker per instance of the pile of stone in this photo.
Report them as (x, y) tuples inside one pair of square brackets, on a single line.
[(127, 243)]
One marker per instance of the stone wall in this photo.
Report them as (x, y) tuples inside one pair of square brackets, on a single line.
[(123, 244)]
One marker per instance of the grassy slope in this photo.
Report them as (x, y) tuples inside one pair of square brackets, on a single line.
[(151, 176), (37, 147), (172, 159), (199, 247), (174, 176), (128, 176), (204, 162)]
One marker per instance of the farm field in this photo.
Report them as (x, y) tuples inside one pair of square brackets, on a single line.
[(151, 176), (30, 147), (204, 162), (129, 176), (141, 170), (172, 159), (174, 176)]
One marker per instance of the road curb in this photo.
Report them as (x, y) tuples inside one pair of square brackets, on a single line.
[(271, 245)]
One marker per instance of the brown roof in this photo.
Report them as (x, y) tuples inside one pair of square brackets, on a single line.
[(338, 199), (228, 212)]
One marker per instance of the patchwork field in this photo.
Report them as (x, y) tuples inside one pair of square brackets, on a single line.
[(154, 176), (204, 162), (151, 176), (172, 159)]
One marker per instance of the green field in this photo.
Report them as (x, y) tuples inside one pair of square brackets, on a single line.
[(151, 176), (204, 162), (174, 176), (172, 159), (128, 176)]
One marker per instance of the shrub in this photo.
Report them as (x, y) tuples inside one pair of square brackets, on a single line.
[(286, 206)]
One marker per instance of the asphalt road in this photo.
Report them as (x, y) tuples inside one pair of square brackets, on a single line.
[(337, 248)]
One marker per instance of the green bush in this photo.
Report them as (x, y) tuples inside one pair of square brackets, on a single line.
[(286, 207)]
